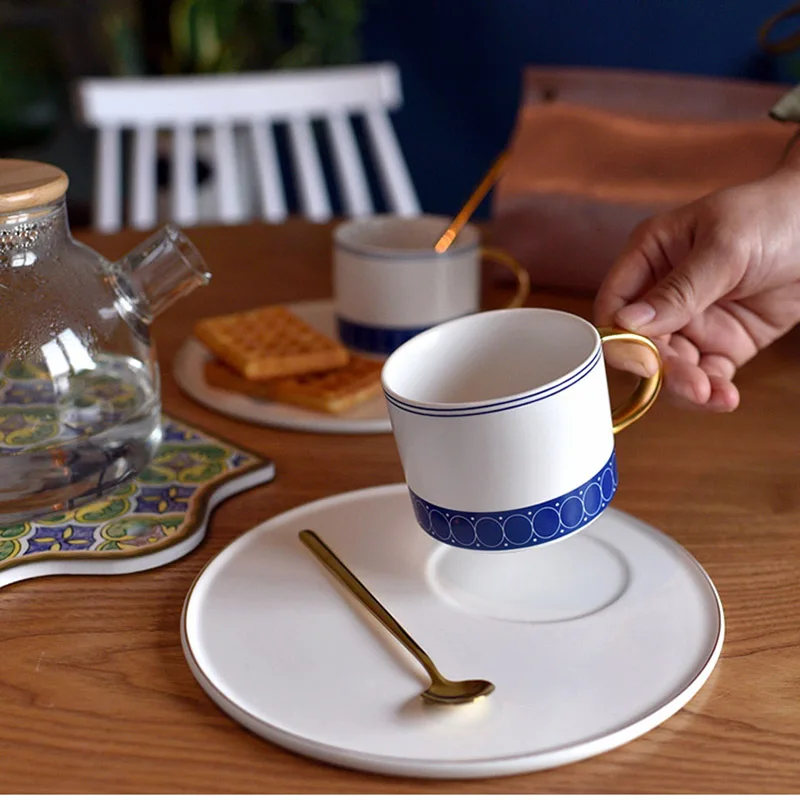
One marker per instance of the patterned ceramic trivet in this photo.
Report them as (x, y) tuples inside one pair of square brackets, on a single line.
[(155, 519)]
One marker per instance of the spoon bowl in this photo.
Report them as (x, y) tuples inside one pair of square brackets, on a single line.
[(455, 692)]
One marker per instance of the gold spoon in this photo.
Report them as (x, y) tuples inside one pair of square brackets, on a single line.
[(463, 216), (441, 689)]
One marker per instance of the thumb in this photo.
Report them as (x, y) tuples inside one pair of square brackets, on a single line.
[(682, 294)]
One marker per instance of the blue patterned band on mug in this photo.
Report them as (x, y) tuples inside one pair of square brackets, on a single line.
[(372, 339), (520, 527)]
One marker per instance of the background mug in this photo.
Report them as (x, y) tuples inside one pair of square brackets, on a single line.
[(390, 284), (503, 424)]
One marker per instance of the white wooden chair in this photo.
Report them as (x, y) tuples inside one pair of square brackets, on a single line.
[(252, 104)]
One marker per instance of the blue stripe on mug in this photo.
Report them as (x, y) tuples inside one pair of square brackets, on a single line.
[(520, 527), (372, 339), (499, 405)]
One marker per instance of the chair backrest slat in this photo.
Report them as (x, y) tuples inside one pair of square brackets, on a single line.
[(349, 169), (143, 208), (273, 200), (395, 179), (108, 180), (184, 184), (229, 204), (308, 169)]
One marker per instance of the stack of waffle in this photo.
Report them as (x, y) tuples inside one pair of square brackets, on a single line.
[(272, 354)]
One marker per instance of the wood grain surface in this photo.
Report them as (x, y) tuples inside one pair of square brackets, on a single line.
[(27, 184), (97, 697)]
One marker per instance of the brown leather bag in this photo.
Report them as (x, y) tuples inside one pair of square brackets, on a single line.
[(594, 152)]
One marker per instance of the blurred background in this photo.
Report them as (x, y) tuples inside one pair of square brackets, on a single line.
[(461, 62)]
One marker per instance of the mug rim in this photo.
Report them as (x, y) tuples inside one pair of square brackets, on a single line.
[(502, 402), (467, 240)]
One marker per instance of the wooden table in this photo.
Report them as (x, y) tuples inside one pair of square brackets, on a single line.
[(97, 697)]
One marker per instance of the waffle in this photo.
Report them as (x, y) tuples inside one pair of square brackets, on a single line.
[(269, 342), (332, 391)]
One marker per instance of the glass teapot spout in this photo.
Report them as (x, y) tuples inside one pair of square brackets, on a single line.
[(162, 269)]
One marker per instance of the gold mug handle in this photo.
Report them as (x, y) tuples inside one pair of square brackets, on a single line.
[(646, 391), (520, 273)]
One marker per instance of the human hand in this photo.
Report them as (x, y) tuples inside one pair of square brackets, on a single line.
[(712, 283)]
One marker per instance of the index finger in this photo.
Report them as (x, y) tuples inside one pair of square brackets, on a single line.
[(630, 277), (654, 248)]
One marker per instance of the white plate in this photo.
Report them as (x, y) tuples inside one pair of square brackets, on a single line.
[(619, 628), (189, 370)]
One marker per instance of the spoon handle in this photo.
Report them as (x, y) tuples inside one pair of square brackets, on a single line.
[(321, 550), (474, 200)]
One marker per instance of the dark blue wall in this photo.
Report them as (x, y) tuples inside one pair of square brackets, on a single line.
[(461, 62)]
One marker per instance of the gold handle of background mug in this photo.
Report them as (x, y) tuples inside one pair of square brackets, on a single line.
[(523, 279), (646, 391)]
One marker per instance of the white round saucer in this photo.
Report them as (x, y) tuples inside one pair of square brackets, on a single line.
[(276, 643), (189, 371)]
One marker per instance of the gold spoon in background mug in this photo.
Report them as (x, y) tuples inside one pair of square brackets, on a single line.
[(441, 689), (463, 216), (489, 253)]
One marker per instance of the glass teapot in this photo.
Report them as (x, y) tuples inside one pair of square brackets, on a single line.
[(79, 383)]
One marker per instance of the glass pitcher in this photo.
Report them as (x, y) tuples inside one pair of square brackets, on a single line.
[(79, 383)]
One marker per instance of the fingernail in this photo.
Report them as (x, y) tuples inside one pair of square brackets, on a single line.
[(635, 316)]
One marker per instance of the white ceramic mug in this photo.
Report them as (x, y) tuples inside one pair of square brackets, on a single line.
[(390, 284), (503, 424)]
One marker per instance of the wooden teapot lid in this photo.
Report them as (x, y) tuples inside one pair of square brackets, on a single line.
[(28, 184)]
